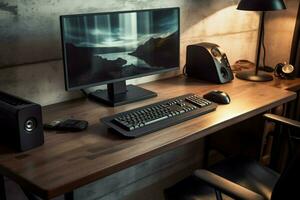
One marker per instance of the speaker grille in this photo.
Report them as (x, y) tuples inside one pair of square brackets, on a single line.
[(224, 73), (30, 124)]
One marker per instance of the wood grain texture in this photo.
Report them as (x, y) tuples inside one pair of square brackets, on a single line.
[(292, 85), (146, 174), (70, 160)]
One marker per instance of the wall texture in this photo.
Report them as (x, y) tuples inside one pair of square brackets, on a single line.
[(30, 29), (279, 33), (30, 33)]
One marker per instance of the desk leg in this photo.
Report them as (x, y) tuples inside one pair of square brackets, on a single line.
[(280, 153), (293, 108), (206, 151), (218, 195), (29, 195), (297, 107), (69, 196), (2, 188)]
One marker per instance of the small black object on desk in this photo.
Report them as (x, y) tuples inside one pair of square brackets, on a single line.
[(217, 96), (72, 125)]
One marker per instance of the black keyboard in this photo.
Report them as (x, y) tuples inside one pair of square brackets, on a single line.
[(147, 119)]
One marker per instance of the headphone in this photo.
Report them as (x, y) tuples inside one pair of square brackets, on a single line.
[(284, 71)]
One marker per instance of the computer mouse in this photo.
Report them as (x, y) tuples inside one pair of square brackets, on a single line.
[(217, 96)]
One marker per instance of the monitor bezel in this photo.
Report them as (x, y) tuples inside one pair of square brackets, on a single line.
[(66, 76)]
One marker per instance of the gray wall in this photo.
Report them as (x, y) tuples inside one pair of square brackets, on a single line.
[(279, 33), (30, 33)]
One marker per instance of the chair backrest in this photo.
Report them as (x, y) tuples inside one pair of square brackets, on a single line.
[(288, 185)]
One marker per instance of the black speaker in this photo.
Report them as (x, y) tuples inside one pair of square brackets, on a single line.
[(207, 61), (20, 122)]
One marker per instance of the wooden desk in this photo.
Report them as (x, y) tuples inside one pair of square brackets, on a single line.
[(68, 161), (293, 110), (292, 85)]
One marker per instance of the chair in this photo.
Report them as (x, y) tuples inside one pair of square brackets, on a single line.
[(243, 178)]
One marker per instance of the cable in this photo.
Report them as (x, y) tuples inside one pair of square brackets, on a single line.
[(263, 44), (184, 70), (265, 67)]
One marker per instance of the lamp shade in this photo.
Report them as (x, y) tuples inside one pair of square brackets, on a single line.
[(261, 5)]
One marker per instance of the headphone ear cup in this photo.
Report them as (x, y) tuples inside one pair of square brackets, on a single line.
[(285, 71), (278, 70)]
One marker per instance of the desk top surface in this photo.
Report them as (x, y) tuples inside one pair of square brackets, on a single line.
[(70, 160), (293, 84)]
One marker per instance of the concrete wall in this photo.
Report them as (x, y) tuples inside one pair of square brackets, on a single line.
[(29, 32), (279, 28), (34, 25)]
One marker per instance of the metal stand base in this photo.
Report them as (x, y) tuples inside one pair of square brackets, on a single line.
[(133, 93), (250, 76)]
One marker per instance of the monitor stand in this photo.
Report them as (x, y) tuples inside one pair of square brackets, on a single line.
[(119, 93)]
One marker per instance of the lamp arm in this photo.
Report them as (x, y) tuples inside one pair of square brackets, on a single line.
[(260, 38)]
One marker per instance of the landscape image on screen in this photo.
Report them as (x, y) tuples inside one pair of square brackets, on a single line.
[(104, 47)]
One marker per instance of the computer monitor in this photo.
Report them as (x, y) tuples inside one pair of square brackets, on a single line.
[(110, 48)]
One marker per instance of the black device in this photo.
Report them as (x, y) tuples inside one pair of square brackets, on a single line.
[(207, 61), (72, 125), (217, 96), (147, 119), (284, 71), (110, 48), (20, 122)]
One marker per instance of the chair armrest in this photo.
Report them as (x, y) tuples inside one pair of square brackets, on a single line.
[(283, 120), (225, 186)]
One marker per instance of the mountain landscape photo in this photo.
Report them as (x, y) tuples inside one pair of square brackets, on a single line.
[(112, 46)]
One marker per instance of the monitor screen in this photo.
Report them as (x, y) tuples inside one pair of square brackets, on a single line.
[(109, 47)]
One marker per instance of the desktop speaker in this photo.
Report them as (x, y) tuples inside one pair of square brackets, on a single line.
[(206, 61), (20, 122)]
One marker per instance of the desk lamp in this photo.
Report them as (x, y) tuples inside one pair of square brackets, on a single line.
[(259, 5)]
